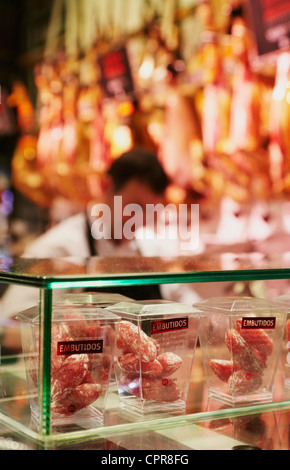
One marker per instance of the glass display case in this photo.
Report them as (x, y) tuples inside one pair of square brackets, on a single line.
[(203, 416)]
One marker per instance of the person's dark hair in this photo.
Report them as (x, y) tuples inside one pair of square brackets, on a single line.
[(139, 164)]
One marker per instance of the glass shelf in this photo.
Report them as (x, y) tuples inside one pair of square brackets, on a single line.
[(223, 424), (64, 273)]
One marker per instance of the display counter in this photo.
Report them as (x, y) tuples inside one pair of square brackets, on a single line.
[(206, 424)]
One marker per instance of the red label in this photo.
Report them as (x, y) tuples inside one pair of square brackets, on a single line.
[(163, 326), (91, 346), (266, 323)]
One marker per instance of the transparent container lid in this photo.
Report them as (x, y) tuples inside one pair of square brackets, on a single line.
[(63, 273), (283, 299), (89, 298)]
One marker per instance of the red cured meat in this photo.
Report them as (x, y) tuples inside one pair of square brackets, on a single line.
[(288, 330), (150, 389), (32, 366), (158, 348), (104, 374), (76, 324), (261, 358), (156, 389), (169, 392), (130, 384), (88, 378), (58, 333), (242, 353), (76, 379), (151, 369), (100, 367), (70, 375), (161, 390), (130, 364)]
